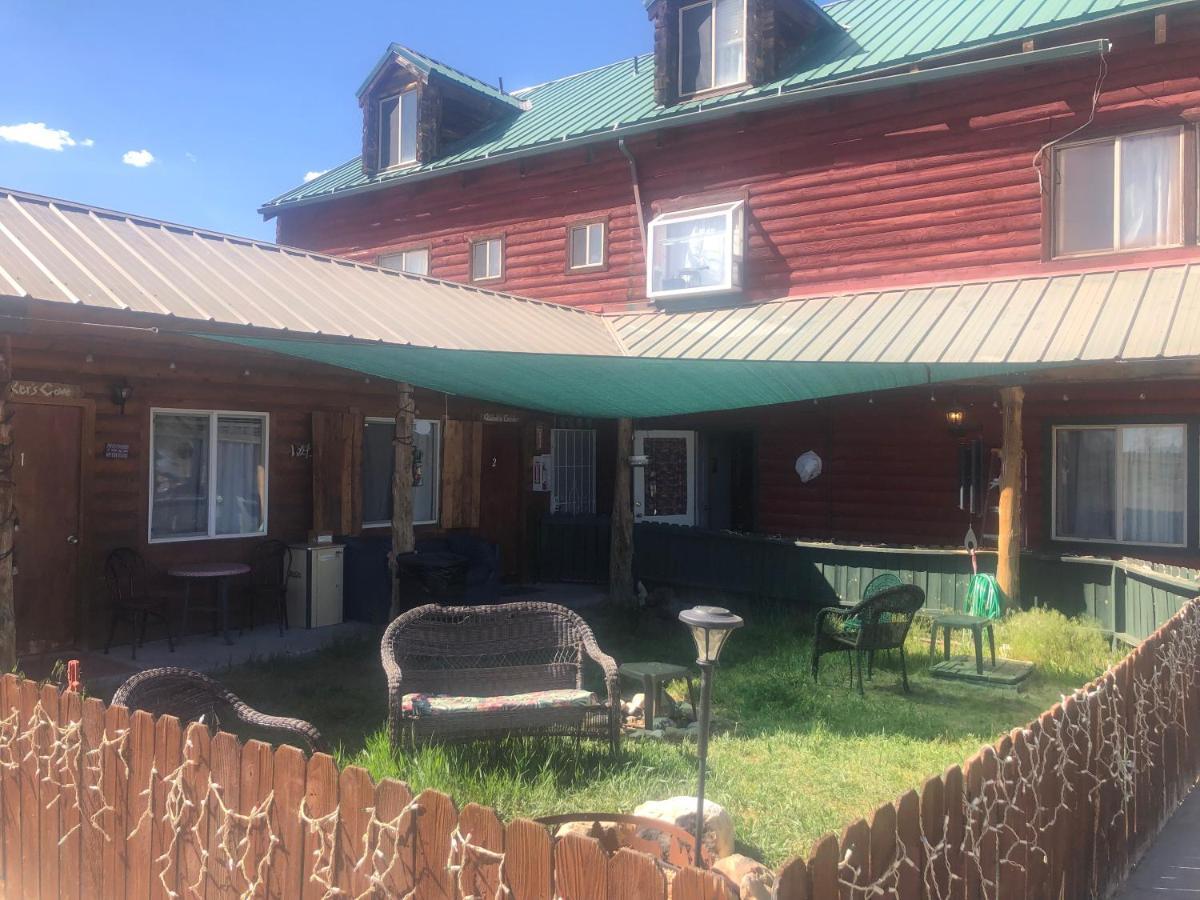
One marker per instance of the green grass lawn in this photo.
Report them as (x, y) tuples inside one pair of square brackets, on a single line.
[(802, 759)]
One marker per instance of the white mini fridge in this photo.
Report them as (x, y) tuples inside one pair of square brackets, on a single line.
[(314, 592)]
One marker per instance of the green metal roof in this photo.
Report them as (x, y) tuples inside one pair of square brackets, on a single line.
[(427, 66), (614, 386), (875, 36)]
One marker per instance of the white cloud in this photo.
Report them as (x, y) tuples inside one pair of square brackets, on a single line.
[(38, 134), (190, 157), (87, 142), (313, 176), (139, 159)]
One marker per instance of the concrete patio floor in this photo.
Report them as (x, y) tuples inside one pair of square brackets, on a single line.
[(1172, 864)]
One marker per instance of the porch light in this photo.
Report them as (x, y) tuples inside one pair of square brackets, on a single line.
[(956, 418), (710, 627), (121, 394)]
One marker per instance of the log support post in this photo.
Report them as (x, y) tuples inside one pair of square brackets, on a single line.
[(8, 517), (620, 564), (402, 488), (1008, 561)]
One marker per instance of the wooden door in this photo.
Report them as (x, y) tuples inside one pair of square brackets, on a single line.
[(47, 441), (500, 493)]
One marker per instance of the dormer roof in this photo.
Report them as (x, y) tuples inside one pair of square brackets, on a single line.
[(869, 46), (426, 66)]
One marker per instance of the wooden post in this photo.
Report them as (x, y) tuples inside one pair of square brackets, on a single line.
[(620, 563), (402, 488), (1008, 561), (8, 514)]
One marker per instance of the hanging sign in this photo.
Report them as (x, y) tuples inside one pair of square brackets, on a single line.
[(500, 418), (541, 473), (44, 390)]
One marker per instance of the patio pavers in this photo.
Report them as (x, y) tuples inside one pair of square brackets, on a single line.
[(1171, 867)]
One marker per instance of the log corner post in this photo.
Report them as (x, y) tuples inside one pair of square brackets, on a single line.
[(8, 515), (402, 489), (620, 563), (1008, 556)]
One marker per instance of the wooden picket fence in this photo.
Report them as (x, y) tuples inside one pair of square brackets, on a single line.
[(1061, 808), (97, 803)]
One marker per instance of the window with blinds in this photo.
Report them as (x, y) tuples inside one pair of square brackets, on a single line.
[(573, 458)]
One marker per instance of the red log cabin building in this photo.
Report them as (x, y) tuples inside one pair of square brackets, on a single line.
[(859, 183), (808, 249)]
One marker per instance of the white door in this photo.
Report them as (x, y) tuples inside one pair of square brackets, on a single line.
[(664, 490)]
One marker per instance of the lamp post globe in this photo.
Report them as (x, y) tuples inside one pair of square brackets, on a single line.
[(710, 627)]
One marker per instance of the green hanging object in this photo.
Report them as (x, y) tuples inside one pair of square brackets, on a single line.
[(984, 598)]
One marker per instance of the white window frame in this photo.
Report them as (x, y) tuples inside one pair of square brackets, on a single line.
[(1119, 498), (587, 245), (213, 415), (735, 230), (437, 491), (713, 50), (1058, 224), (639, 478), (557, 435), (488, 242), (402, 255), (385, 134)]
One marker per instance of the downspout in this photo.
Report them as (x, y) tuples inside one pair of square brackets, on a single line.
[(637, 194)]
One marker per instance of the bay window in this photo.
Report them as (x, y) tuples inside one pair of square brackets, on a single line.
[(1120, 193), (398, 129), (1121, 483), (712, 45), (696, 251), (208, 476), (378, 464)]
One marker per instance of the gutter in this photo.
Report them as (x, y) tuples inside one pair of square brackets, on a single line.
[(779, 98)]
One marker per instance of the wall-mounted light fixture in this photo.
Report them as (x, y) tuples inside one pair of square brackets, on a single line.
[(121, 394), (956, 418)]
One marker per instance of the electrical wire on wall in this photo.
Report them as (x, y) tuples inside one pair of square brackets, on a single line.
[(1037, 157)]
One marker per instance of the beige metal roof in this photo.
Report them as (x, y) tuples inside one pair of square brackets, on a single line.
[(53, 250), (1143, 313)]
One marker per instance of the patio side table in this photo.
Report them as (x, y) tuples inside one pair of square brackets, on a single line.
[(948, 622), (652, 676), (221, 572)]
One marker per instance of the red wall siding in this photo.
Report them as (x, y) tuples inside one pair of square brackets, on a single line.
[(893, 187)]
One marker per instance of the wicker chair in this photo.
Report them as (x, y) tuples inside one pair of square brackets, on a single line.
[(193, 697), (880, 622), (462, 673)]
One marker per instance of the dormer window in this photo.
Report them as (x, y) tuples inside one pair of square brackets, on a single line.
[(398, 129), (712, 45)]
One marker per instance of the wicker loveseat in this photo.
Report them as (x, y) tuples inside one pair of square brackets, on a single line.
[(462, 673)]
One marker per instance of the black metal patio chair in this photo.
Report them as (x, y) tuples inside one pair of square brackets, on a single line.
[(269, 568), (132, 600), (880, 622)]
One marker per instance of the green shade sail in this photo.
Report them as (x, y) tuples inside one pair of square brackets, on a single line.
[(614, 387)]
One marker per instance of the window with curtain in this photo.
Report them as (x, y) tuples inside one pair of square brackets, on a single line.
[(209, 475), (398, 129), (573, 471), (1124, 483), (696, 251), (712, 45), (487, 259), (378, 464), (414, 262), (1122, 193)]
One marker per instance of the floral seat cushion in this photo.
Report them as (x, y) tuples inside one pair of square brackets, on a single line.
[(442, 704)]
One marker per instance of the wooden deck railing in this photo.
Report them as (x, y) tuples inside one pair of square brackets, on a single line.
[(97, 803)]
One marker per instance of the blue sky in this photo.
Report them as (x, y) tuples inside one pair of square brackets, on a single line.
[(236, 101)]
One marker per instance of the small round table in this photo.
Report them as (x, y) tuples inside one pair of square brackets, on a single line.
[(221, 572), (948, 622)]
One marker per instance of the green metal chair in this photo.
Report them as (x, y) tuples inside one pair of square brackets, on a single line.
[(880, 622)]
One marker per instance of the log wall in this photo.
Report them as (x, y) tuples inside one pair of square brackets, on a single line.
[(896, 187)]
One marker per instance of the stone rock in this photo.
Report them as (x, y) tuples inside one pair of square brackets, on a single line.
[(681, 812), (635, 705), (661, 722), (642, 734), (754, 881), (606, 833), (684, 711)]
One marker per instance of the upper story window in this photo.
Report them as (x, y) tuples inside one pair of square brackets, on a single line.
[(398, 129), (696, 251), (712, 45), (487, 259), (1120, 193), (1121, 483), (586, 245), (208, 476), (414, 262)]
